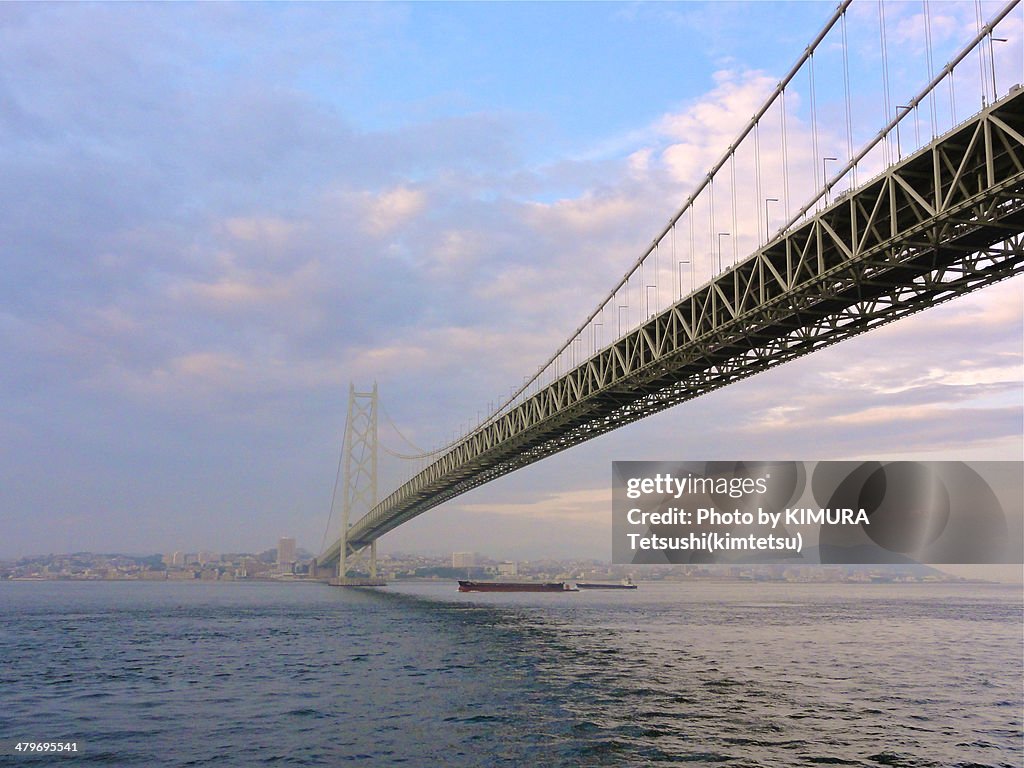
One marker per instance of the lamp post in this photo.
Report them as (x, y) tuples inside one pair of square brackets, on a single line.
[(685, 261), (899, 149), (992, 56), (767, 228), (824, 175)]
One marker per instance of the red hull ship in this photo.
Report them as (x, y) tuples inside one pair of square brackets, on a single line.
[(513, 586)]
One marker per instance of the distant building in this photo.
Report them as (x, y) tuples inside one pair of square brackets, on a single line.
[(207, 557), (286, 554), (463, 559), (508, 569), (178, 559), (251, 567)]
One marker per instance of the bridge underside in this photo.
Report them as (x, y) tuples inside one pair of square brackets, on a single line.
[(945, 221)]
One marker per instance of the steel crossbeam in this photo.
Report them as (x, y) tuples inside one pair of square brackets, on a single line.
[(945, 221)]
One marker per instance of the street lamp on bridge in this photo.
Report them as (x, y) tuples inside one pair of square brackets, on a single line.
[(824, 175), (899, 117), (992, 57), (767, 228), (684, 261)]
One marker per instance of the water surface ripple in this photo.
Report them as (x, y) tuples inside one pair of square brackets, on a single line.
[(716, 674)]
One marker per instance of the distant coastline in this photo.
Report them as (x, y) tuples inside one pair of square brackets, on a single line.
[(207, 568)]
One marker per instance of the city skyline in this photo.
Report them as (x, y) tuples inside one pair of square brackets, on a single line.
[(220, 215), (184, 567)]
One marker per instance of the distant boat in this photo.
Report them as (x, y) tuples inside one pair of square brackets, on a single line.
[(624, 584), (514, 586)]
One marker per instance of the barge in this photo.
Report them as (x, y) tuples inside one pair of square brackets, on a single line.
[(514, 586), (627, 584)]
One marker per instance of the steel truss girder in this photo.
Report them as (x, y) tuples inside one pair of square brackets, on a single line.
[(944, 221)]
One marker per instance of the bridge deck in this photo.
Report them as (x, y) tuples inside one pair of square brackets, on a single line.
[(945, 221)]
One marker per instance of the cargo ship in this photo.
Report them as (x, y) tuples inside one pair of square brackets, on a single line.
[(514, 586), (625, 584)]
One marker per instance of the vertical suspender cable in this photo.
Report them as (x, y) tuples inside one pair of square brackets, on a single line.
[(785, 154), (952, 98), (644, 301), (981, 56), (814, 125), (887, 106), (992, 61), (735, 232), (928, 44), (693, 259), (657, 282), (849, 110), (757, 179), (711, 224), (337, 479), (675, 262)]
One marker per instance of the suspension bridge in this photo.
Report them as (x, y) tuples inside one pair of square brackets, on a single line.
[(922, 227)]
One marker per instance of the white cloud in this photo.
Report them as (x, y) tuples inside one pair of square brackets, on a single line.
[(591, 505), (588, 214), (640, 162), (455, 250), (241, 288), (272, 229), (389, 210)]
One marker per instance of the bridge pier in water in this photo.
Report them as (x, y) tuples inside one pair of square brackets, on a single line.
[(349, 557)]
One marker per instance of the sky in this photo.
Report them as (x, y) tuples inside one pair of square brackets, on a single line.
[(217, 216)]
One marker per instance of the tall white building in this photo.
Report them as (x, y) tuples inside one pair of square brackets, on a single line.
[(463, 559), (285, 553)]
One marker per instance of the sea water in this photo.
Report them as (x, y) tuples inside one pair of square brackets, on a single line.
[(694, 673)]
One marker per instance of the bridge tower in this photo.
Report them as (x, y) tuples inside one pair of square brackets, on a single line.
[(359, 485)]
